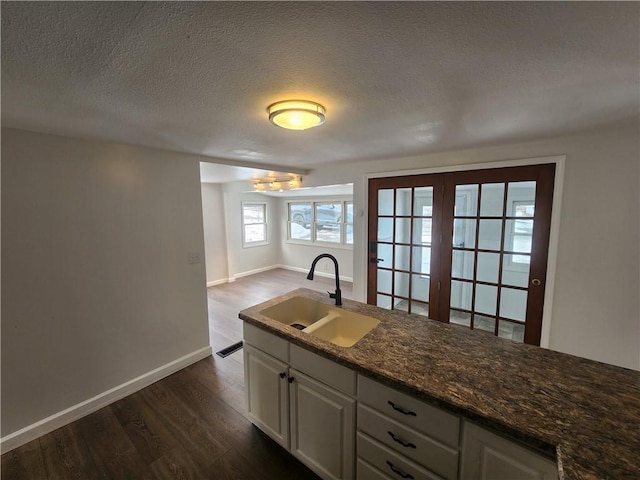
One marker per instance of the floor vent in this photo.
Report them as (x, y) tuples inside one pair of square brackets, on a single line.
[(230, 349)]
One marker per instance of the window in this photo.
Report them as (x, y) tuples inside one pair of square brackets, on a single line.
[(323, 222), (254, 224)]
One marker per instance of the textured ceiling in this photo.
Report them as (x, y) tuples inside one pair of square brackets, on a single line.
[(397, 78)]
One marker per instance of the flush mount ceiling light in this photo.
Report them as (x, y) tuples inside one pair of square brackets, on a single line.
[(296, 114)]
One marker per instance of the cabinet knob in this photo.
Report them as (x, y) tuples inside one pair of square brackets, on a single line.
[(291, 379), (282, 374)]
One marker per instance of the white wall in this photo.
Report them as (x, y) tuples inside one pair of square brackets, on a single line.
[(247, 260), (215, 242), (97, 287), (595, 311)]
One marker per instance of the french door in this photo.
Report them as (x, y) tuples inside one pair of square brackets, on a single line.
[(466, 247)]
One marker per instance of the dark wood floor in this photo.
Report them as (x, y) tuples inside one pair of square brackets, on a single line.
[(190, 425)]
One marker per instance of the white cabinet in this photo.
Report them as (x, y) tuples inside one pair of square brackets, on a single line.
[(267, 394), (307, 404), (403, 437), (303, 401), (322, 427), (487, 456)]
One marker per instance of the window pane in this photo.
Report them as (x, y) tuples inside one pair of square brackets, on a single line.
[(513, 304), (385, 229), (466, 200), (490, 233), (385, 202), (422, 228), (403, 202), (518, 277), (401, 260), (486, 299), (462, 264), (384, 281), (385, 255), (349, 218), (423, 202), (328, 212), (487, 324), (461, 295), (384, 302), (464, 233), (300, 213), (349, 234), (520, 193), (488, 267), (328, 232), (491, 204), (349, 224), (421, 260), (512, 331), (254, 233), (403, 230), (299, 231), (420, 288), (460, 318), (253, 213), (401, 285)]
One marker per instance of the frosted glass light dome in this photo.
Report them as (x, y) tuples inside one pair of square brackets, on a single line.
[(296, 114)]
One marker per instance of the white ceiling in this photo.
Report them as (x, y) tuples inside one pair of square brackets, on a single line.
[(397, 78)]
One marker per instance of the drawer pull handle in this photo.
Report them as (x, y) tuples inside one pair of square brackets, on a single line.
[(400, 441), (397, 471), (401, 410)]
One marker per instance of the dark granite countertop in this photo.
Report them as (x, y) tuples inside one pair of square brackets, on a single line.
[(583, 413)]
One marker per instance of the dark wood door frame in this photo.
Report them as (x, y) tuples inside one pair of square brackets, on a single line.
[(443, 220)]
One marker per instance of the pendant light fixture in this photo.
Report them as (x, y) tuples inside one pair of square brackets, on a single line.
[(296, 114)]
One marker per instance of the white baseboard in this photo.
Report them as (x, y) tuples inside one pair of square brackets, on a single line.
[(213, 283), (60, 419), (253, 272), (318, 273)]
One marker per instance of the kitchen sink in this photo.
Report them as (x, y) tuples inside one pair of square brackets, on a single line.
[(297, 311), (336, 325), (342, 328)]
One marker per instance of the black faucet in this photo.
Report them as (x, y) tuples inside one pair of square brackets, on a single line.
[(338, 294)]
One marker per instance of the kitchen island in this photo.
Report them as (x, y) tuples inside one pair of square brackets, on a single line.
[(583, 414)]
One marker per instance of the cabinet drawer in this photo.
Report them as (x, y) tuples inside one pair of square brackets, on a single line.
[(435, 456), (267, 342), (323, 369), (366, 471), (389, 462), (418, 415)]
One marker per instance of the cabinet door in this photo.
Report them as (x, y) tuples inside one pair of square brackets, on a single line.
[(487, 456), (266, 394), (322, 427)]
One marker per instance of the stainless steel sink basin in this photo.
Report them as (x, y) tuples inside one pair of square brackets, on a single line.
[(335, 325)]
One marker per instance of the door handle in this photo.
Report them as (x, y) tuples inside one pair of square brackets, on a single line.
[(376, 260)]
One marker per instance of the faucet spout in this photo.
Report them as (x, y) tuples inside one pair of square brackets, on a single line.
[(338, 293)]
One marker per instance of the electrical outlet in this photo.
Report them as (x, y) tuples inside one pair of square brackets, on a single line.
[(194, 257)]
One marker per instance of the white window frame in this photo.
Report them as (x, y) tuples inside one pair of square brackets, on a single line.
[(313, 240), (257, 243)]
